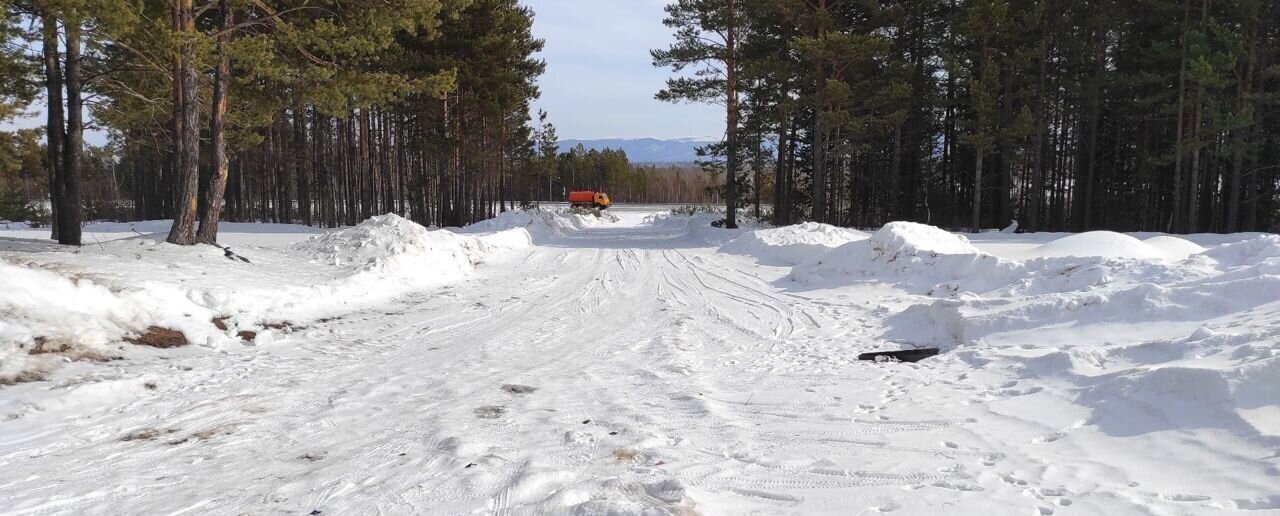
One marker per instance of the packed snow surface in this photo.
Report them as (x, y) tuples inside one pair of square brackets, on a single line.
[(545, 362)]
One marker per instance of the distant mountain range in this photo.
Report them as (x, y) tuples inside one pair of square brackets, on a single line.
[(645, 150)]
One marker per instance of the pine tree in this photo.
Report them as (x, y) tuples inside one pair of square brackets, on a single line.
[(708, 34)]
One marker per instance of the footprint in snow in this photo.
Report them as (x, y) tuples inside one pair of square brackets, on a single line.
[(518, 389), (490, 411)]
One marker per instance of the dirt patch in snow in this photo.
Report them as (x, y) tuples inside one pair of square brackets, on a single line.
[(147, 434), (158, 337), (29, 375)]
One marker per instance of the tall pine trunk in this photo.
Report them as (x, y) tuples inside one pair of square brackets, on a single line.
[(1040, 128), (1175, 219), (69, 216), (55, 125), (731, 129), (211, 206), (780, 176), (819, 186), (187, 134), (976, 219)]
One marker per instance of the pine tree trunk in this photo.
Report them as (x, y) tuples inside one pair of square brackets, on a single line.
[(55, 124), (1241, 138), (780, 175), (187, 136), (1037, 145), (819, 186), (69, 215), (895, 169), (1178, 200), (755, 167), (502, 166), (976, 221), (731, 128), (303, 164), (1193, 183), (211, 207)]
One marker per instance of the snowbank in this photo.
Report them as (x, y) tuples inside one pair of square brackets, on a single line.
[(81, 305), (1175, 249), (915, 256), (390, 244), (1142, 338), (1097, 278), (923, 259), (1105, 244), (533, 226), (791, 245)]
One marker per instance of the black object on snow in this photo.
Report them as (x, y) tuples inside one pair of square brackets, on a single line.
[(906, 355)]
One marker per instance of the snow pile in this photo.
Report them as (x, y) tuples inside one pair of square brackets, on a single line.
[(926, 260), (48, 311), (791, 245), (1260, 251), (1226, 280), (1174, 249), (392, 245), (1183, 341), (698, 225), (1105, 244), (518, 228), (53, 303), (915, 256)]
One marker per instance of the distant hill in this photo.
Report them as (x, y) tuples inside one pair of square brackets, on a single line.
[(645, 150)]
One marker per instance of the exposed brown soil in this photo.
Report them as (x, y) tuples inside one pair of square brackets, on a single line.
[(23, 377), (45, 345), (158, 337)]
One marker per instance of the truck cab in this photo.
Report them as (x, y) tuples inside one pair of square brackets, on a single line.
[(602, 200)]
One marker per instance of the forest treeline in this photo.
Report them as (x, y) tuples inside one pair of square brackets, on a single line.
[(609, 170), (1065, 115), (312, 111), (319, 112)]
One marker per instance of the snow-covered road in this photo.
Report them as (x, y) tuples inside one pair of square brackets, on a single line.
[(622, 369)]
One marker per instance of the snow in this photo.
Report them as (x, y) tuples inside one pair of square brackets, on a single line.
[(915, 256), (1105, 244), (392, 245), (641, 363), (790, 245), (124, 286), (1173, 248)]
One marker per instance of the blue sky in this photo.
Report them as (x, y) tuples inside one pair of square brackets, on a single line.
[(600, 80)]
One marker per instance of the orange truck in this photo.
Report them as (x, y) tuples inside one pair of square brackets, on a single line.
[(588, 199)]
